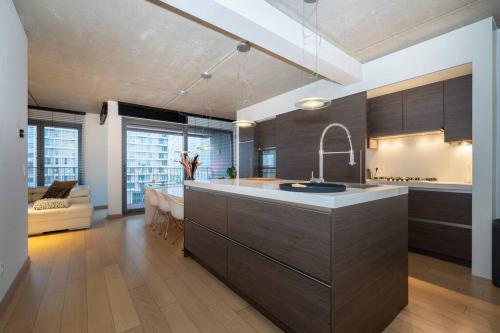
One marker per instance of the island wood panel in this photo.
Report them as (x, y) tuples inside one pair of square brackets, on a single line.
[(206, 208), (442, 241), (458, 109), (423, 108), (297, 302), (208, 247), (385, 115), (298, 135), (266, 134), (295, 236), (440, 206), (370, 264)]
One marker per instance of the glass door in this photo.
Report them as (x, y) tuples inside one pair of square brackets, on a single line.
[(152, 156)]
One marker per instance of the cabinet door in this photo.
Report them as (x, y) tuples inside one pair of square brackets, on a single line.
[(295, 236), (298, 302), (197, 205), (385, 115), (423, 108), (206, 246), (266, 134), (458, 109)]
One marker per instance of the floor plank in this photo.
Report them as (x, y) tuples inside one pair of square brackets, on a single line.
[(178, 320), (124, 314)]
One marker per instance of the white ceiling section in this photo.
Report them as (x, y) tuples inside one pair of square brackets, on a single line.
[(84, 52), (263, 25), (369, 29)]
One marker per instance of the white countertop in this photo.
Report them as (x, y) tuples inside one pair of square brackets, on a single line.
[(270, 190), (425, 185)]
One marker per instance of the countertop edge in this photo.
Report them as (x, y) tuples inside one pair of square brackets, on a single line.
[(439, 187), (307, 199)]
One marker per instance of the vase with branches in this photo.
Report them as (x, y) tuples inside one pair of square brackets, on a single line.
[(190, 164)]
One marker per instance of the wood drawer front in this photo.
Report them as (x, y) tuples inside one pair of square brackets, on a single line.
[(300, 303), (206, 208), (210, 248), (439, 239), (440, 206), (297, 237)]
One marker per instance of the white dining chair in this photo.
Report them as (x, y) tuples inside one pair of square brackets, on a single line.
[(177, 214), (163, 209), (154, 201)]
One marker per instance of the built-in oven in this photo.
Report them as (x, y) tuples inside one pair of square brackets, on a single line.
[(267, 162)]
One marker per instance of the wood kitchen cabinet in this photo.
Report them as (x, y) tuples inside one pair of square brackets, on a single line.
[(266, 134), (440, 224), (295, 236), (458, 109), (247, 152), (298, 134), (423, 108), (208, 246), (301, 304), (385, 115)]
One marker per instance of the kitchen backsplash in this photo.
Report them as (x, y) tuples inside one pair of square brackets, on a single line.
[(422, 156)]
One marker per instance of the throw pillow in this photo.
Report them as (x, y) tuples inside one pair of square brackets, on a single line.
[(59, 189), (52, 203)]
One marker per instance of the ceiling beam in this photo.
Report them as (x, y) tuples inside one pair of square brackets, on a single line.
[(261, 24)]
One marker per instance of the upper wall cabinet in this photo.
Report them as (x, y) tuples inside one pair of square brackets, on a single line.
[(423, 108), (458, 109), (385, 115), (266, 134)]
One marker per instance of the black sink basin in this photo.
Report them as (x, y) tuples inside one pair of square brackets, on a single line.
[(312, 187)]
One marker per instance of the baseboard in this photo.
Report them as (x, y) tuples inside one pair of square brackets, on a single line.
[(113, 216), (13, 286)]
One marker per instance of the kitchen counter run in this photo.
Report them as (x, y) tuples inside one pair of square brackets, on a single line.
[(270, 190)]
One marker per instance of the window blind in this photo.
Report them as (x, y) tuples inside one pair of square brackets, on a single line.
[(55, 147)]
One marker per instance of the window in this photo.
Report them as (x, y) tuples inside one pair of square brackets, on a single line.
[(31, 169), (61, 154), (54, 152)]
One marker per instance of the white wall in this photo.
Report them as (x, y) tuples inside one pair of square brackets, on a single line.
[(114, 152), (471, 44), (96, 158), (497, 101), (13, 112), (422, 156)]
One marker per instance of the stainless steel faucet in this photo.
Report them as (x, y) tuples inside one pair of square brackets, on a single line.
[(322, 153)]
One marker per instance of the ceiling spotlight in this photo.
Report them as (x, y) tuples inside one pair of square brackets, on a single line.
[(182, 93), (243, 47), (206, 75), (244, 123), (313, 103)]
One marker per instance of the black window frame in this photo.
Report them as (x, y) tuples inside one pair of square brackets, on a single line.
[(40, 146)]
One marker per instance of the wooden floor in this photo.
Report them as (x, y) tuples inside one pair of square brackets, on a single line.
[(120, 276)]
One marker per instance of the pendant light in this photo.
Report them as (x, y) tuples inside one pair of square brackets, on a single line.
[(243, 47), (314, 102)]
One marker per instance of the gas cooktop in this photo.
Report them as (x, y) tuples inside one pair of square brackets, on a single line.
[(407, 179)]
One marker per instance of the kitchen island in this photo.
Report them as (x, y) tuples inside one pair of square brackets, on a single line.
[(333, 262)]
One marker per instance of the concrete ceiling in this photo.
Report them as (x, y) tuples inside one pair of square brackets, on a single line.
[(368, 29), (84, 52)]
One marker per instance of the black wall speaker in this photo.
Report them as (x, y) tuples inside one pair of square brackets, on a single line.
[(496, 252)]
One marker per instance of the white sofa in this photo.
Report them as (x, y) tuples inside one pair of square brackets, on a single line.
[(77, 216)]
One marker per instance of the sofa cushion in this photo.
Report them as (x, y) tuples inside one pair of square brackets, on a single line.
[(80, 191), (75, 210)]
